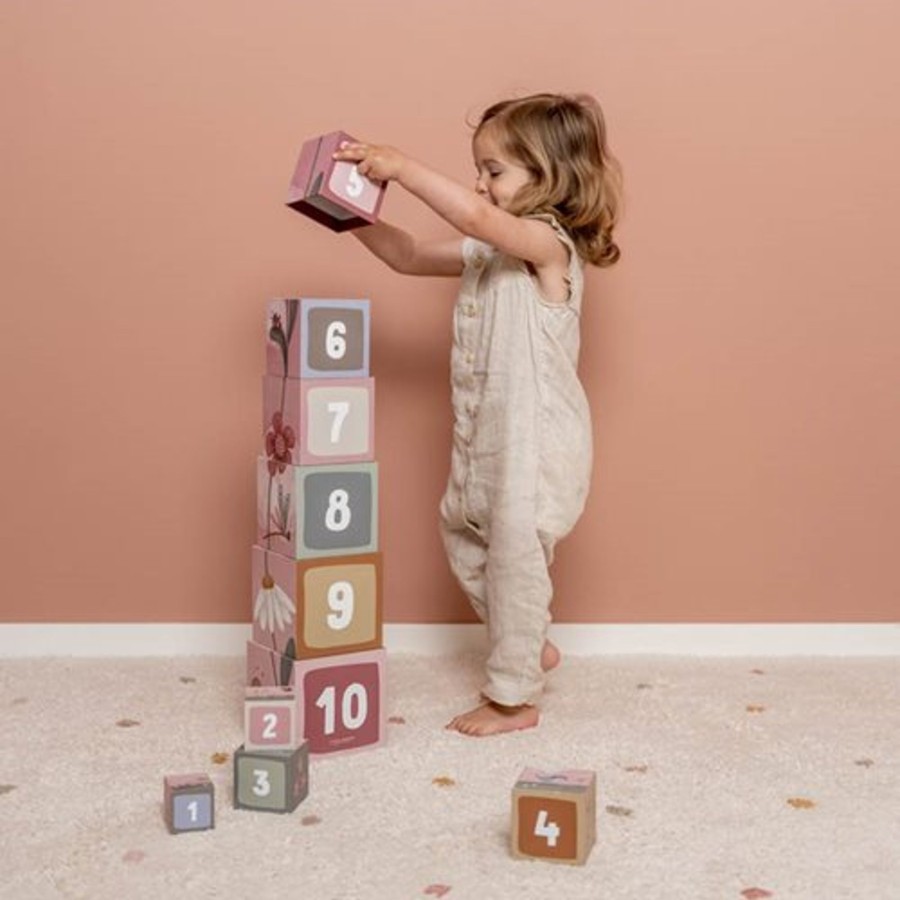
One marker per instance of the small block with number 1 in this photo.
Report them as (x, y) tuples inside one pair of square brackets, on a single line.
[(270, 718), (189, 802), (554, 815), (271, 780), (331, 191)]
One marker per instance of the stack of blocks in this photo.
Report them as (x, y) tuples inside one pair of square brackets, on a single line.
[(316, 569)]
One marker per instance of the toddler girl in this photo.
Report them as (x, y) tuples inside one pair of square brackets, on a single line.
[(545, 202)]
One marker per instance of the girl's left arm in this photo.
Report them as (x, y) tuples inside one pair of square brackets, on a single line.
[(528, 239)]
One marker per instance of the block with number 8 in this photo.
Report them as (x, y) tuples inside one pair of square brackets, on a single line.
[(306, 511), (317, 338), (309, 421), (341, 701), (316, 607), (554, 815), (271, 780)]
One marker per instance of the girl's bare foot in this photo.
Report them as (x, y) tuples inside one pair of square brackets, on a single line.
[(550, 656), (491, 718)]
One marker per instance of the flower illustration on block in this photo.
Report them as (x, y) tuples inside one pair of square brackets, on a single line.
[(280, 440), (273, 609)]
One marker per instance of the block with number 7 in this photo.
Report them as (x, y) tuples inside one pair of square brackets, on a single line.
[(341, 703), (553, 815)]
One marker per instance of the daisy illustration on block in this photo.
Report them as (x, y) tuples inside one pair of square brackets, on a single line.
[(273, 616)]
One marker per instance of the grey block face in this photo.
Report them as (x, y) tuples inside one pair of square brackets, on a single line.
[(192, 811), (337, 510), (261, 782), (336, 339)]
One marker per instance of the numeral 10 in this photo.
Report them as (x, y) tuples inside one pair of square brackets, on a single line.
[(350, 720)]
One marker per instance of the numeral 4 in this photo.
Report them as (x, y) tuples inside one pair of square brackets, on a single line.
[(545, 829)]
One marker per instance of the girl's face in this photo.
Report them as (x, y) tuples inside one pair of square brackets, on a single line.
[(499, 176)]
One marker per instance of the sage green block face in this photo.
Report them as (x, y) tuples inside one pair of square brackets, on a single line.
[(261, 783)]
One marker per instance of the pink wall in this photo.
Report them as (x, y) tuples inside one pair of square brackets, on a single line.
[(742, 361)]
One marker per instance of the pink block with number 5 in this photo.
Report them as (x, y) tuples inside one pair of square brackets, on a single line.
[(330, 191)]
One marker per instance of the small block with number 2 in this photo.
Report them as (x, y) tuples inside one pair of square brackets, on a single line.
[(271, 780), (270, 719), (554, 815), (188, 802)]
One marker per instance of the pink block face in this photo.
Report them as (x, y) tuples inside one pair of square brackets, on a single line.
[(342, 701), (267, 667), (563, 778), (270, 721), (312, 421), (332, 192)]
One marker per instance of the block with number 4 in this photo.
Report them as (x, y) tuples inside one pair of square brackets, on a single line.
[(553, 815), (271, 780), (310, 421), (188, 802), (317, 338), (341, 701), (305, 511), (316, 607), (332, 191), (270, 719)]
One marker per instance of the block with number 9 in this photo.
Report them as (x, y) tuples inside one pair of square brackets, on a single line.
[(271, 780), (341, 701), (307, 511), (316, 607), (332, 191), (317, 338), (553, 815)]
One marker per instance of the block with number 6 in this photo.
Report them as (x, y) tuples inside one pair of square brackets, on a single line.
[(271, 780), (189, 802), (341, 701), (553, 815)]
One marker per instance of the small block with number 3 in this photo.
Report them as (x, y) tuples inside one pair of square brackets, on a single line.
[(188, 802), (554, 815), (317, 338), (270, 719), (271, 780)]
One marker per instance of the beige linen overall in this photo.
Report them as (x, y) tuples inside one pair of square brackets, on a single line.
[(522, 454)]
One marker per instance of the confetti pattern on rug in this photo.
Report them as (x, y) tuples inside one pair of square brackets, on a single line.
[(801, 803), (622, 811), (755, 893), (396, 720), (127, 723), (443, 781), (757, 672), (187, 679), (134, 856), (867, 763), (640, 770), (756, 709), (437, 890), (6, 789), (19, 701), (310, 820), (219, 759)]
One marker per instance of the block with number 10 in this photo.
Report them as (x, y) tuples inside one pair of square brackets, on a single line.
[(553, 815)]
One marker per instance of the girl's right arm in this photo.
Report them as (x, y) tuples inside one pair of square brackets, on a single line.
[(404, 254)]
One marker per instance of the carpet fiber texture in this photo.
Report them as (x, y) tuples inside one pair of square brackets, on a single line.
[(716, 780)]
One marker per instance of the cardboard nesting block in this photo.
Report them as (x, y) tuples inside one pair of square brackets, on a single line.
[(311, 511), (341, 701), (270, 718), (554, 815), (330, 191), (267, 667), (312, 421), (317, 338), (316, 607), (271, 780), (189, 802)]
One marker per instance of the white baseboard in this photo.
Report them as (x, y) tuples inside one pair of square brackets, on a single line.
[(193, 639)]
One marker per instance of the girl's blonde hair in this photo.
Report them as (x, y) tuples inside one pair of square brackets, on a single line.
[(561, 140)]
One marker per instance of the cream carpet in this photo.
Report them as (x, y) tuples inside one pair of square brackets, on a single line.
[(716, 779)]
